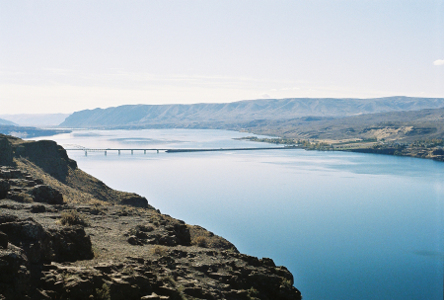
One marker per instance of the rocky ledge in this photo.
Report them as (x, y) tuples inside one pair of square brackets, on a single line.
[(58, 241)]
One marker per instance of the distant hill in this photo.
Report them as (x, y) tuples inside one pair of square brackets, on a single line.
[(29, 132), (39, 120), (6, 122), (405, 126), (208, 115)]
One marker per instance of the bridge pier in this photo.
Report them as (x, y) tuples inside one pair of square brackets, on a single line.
[(144, 151), (105, 152), (86, 153), (118, 151), (132, 152), (157, 151)]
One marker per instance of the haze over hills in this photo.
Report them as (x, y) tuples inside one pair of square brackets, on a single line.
[(6, 122), (206, 115), (39, 120)]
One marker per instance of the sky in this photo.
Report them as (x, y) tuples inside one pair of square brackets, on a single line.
[(66, 56)]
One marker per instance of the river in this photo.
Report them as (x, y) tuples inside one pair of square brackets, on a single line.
[(347, 225)]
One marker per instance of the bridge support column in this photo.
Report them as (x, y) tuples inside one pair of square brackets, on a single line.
[(86, 153), (157, 151), (132, 152), (144, 151), (105, 152), (118, 151)]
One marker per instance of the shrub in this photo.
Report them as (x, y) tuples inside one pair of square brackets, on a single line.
[(159, 250), (201, 241), (103, 293), (73, 217)]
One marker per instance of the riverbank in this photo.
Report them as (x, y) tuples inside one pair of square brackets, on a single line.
[(432, 149)]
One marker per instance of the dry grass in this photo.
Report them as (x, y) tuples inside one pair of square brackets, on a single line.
[(159, 250), (73, 217), (203, 238), (77, 187), (130, 210), (70, 195), (200, 241), (24, 197)]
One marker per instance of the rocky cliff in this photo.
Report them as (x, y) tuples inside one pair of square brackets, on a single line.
[(66, 235)]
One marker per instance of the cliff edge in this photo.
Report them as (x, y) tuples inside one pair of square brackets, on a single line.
[(66, 235)]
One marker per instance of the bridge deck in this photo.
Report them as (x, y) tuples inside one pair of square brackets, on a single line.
[(170, 150)]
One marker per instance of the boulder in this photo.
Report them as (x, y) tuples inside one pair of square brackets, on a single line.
[(5, 218), (4, 188), (14, 273), (38, 208), (4, 240), (71, 244), (66, 244), (44, 193), (23, 230), (6, 152), (438, 152), (30, 236), (173, 233), (49, 156), (135, 200)]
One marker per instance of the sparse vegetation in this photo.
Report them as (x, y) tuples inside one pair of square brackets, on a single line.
[(23, 197), (103, 292), (159, 250), (73, 217), (66, 277), (200, 241), (252, 293), (130, 211), (129, 270), (286, 283)]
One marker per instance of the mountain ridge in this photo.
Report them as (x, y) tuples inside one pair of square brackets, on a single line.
[(241, 111)]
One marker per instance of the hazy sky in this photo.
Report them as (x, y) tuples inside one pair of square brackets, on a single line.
[(63, 56)]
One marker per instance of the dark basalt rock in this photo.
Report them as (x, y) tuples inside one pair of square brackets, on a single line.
[(136, 201), (44, 193), (438, 152), (176, 272), (49, 156), (65, 244), (4, 240), (227, 277), (70, 244), (4, 218), (38, 208), (4, 188), (30, 236), (6, 153), (15, 276), (29, 248), (172, 233)]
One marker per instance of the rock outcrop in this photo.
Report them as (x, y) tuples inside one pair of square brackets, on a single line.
[(49, 163), (44, 193), (41, 259)]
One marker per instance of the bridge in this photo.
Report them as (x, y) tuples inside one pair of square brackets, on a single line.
[(172, 150)]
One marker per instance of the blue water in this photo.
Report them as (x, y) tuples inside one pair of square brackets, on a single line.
[(347, 225)]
